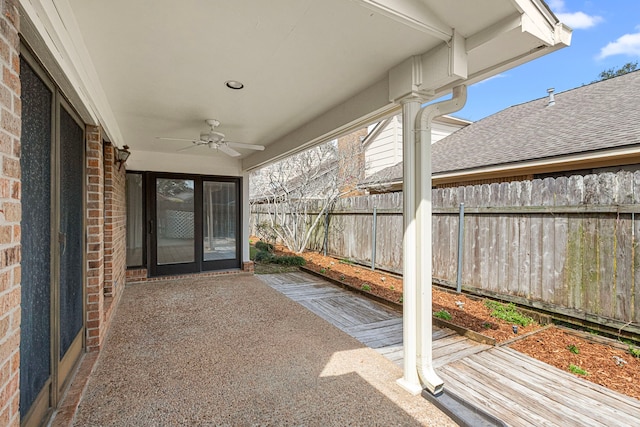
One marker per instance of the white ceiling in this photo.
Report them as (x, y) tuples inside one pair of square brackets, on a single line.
[(158, 68)]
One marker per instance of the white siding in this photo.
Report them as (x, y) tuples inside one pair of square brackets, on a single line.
[(386, 149)]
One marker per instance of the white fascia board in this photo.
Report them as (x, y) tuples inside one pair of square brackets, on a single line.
[(538, 20), (220, 164), (58, 30), (370, 105), (412, 13), (563, 40)]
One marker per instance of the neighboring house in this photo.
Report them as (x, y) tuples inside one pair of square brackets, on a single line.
[(383, 144), (589, 129)]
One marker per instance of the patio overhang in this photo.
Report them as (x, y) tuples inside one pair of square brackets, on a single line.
[(312, 70)]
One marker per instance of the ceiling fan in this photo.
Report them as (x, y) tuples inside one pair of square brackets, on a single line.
[(216, 141)]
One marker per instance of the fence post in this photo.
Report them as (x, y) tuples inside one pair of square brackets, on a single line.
[(373, 238), (460, 242), (326, 233)]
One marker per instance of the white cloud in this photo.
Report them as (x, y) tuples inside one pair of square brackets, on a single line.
[(579, 20), (556, 5), (497, 76), (576, 20), (629, 44)]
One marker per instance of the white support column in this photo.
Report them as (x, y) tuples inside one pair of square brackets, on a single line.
[(246, 212), (410, 381)]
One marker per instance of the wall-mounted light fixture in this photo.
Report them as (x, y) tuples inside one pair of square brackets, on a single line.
[(121, 155)]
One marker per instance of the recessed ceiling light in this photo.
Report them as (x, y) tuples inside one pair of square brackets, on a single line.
[(234, 84)]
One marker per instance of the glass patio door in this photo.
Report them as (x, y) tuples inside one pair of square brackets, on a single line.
[(52, 279), (221, 244), (174, 226), (194, 224)]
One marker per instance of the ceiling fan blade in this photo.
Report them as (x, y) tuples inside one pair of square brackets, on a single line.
[(228, 150), (194, 145), (174, 139), (243, 145)]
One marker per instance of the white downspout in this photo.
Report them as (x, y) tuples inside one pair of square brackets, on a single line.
[(410, 380), (428, 377)]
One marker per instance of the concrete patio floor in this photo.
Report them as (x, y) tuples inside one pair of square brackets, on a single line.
[(230, 350)]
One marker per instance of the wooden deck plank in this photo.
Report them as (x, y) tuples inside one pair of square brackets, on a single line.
[(289, 278), (557, 406), (463, 350), (459, 380), (599, 396), (396, 321)]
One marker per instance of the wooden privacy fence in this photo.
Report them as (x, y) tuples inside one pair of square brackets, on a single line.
[(567, 245)]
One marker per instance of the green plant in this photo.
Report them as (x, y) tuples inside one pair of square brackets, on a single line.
[(342, 276), (289, 260), (508, 313), (392, 287), (635, 352), (400, 300), (443, 314), (577, 370), (345, 261), (488, 325), (263, 256), (323, 270), (366, 287), (573, 349), (264, 246)]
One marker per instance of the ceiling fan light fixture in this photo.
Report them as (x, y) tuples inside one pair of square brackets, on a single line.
[(234, 84)]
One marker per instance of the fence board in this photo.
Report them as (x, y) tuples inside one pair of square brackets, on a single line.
[(561, 225), (575, 239), (635, 286), (547, 288), (536, 237)]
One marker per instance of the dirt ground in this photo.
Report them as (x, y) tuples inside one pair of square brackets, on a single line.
[(607, 365)]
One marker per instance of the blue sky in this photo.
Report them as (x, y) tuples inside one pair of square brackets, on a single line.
[(606, 34)]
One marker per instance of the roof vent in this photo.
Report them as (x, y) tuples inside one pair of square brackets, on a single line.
[(552, 99)]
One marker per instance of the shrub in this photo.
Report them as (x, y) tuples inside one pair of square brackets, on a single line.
[(264, 246), (288, 260), (443, 314), (263, 256), (508, 313)]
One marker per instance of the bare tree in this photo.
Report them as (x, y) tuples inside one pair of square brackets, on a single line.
[(294, 195)]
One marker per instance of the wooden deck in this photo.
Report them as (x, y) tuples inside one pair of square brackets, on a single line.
[(515, 388)]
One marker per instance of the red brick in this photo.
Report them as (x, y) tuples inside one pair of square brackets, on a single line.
[(11, 167)]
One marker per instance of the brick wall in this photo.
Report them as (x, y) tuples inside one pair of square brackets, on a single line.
[(115, 257), (95, 238), (10, 215), (115, 233), (106, 222), (351, 162)]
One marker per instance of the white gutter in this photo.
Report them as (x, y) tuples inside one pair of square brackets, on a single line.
[(424, 118)]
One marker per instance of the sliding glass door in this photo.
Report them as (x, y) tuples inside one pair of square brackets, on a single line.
[(53, 243), (193, 223)]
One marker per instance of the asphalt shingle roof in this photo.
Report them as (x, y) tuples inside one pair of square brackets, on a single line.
[(593, 117)]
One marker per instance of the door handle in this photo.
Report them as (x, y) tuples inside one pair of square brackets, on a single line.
[(150, 227)]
